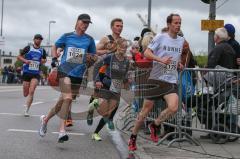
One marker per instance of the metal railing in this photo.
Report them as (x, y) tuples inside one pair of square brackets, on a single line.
[(209, 101)]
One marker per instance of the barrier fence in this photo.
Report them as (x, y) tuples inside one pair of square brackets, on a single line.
[(209, 101)]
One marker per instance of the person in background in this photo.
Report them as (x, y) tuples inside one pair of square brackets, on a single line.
[(32, 57), (231, 40)]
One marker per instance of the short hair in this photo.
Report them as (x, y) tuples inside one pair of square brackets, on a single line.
[(170, 17), (222, 34), (116, 20)]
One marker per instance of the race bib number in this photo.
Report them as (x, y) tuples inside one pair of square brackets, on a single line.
[(34, 65), (75, 55), (116, 85), (171, 67)]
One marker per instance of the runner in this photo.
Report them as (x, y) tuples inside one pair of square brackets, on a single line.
[(32, 56), (78, 48), (109, 88), (165, 51), (107, 45)]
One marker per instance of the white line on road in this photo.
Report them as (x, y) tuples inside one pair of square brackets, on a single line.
[(35, 103), (16, 89), (76, 134), (35, 131), (15, 114), (22, 130)]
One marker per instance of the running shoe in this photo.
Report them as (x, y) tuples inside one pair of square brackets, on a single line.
[(26, 112), (62, 137), (132, 144), (96, 137), (94, 104), (153, 132), (43, 129)]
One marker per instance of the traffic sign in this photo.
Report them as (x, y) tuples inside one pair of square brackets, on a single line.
[(211, 25)]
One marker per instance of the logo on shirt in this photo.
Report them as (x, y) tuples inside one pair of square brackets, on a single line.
[(172, 49)]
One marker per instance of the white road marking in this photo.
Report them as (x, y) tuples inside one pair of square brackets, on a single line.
[(35, 131), (76, 134), (16, 89), (15, 114), (22, 130), (35, 103)]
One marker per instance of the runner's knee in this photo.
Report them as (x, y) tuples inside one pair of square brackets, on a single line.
[(173, 108)]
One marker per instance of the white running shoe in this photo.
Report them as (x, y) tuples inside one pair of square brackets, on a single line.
[(43, 129), (26, 112)]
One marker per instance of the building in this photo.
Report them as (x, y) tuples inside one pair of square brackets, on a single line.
[(7, 59)]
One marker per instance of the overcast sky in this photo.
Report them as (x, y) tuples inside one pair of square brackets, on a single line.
[(24, 18)]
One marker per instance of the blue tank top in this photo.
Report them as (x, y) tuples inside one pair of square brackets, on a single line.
[(34, 56)]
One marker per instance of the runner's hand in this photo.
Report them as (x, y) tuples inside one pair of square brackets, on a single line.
[(180, 66), (27, 62), (165, 60), (54, 62), (90, 59)]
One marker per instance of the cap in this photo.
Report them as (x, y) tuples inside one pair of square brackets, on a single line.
[(85, 18), (230, 28), (144, 31), (38, 36)]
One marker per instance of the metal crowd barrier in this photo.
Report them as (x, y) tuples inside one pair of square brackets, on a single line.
[(209, 102)]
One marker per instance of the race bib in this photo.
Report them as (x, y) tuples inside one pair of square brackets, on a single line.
[(75, 55), (171, 67), (34, 65), (116, 85)]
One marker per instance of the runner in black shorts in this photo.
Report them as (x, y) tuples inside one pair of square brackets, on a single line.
[(32, 56), (165, 51)]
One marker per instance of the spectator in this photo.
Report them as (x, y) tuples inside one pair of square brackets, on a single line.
[(223, 54), (5, 74), (231, 40)]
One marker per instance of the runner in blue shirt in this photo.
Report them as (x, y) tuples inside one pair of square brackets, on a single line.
[(32, 57), (78, 47)]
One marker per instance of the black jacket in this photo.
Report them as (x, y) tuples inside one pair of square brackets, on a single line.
[(224, 55)]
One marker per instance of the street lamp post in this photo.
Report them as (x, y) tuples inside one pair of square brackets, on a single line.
[(49, 33), (2, 18), (149, 13), (212, 16)]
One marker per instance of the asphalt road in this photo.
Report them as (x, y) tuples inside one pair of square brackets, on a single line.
[(19, 138)]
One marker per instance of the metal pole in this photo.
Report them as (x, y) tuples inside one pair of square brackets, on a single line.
[(149, 13), (49, 32), (2, 19), (212, 16)]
